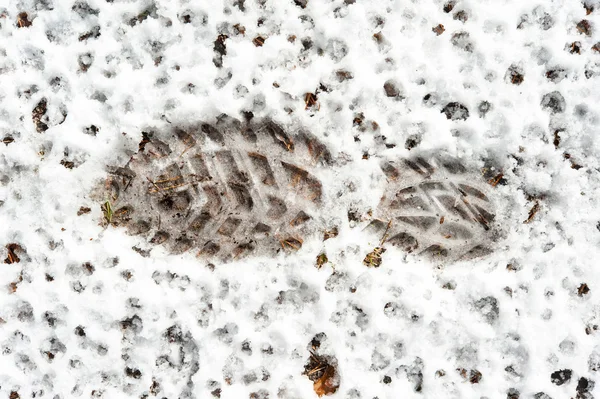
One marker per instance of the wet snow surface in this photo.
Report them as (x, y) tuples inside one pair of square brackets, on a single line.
[(510, 87)]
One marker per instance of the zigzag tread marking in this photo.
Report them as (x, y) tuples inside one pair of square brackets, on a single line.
[(220, 192), (435, 209)]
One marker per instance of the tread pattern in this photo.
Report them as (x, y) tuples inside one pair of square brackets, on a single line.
[(222, 189), (435, 207), (232, 188)]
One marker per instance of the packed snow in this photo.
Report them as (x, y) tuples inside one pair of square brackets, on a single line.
[(509, 87)]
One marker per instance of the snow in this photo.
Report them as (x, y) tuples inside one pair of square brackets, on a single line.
[(515, 325)]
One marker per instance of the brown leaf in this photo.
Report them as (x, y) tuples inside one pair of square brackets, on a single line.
[(378, 37), (310, 99), (83, 210), (330, 233), (67, 164), (575, 47), (589, 8), (12, 253), (145, 140), (327, 384), (583, 289), (373, 258), (495, 180), (23, 21), (584, 27), (258, 41), (516, 78), (291, 243), (449, 6), (475, 377), (532, 212), (239, 29), (12, 287), (321, 260), (438, 30)]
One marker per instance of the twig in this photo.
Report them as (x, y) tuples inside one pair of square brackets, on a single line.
[(495, 180), (316, 370), (532, 212), (169, 188), (187, 148), (384, 237), (128, 183), (154, 184), (169, 179), (283, 242)]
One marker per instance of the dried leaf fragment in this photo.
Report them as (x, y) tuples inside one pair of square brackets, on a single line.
[(584, 27), (107, 211), (331, 233), (310, 100), (378, 37), (326, 385), (94, 33), (556, 140), (239, 29), (516, 78), (496, 179), (574, 48), (83, 210), (535, 209), (145, 140), (321, 260), (474, 376), (12, 287), (258, 41), (301, 3), (321, 370), (392, 89), (291, 243), (449, 6), (23, 20), (438, 30), (12, 257), (373, 258), (67, 164), (589, 7), (583, 289), (37, 114)]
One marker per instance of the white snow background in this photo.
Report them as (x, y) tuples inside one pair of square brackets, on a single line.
[(108, 329)]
